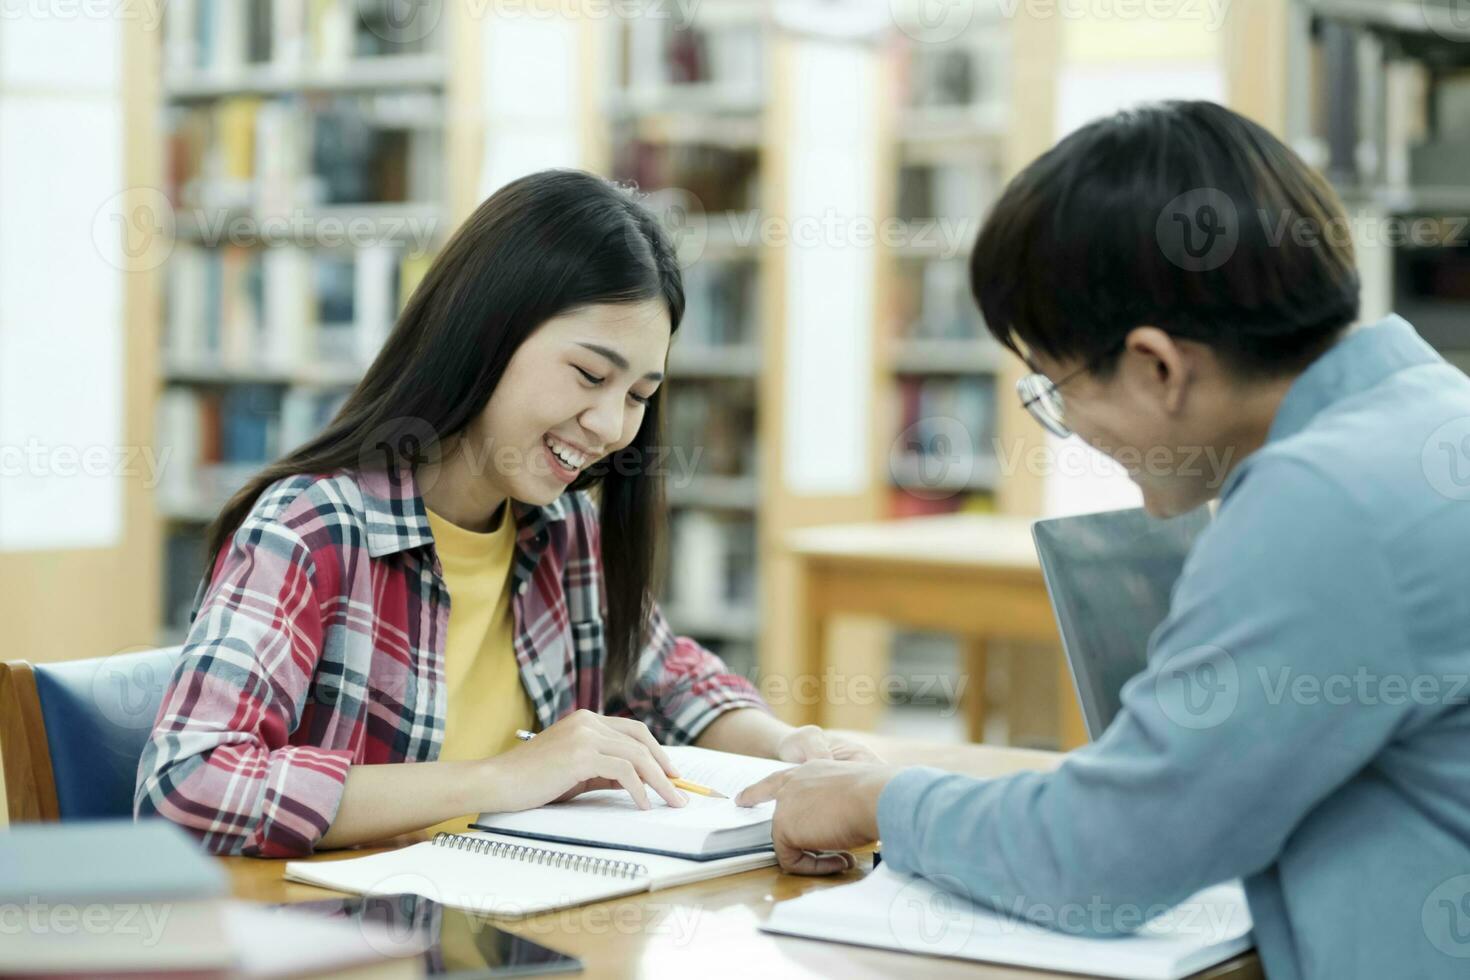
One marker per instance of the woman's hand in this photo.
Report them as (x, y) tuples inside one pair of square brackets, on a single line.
[(810, 742), (581, 752)]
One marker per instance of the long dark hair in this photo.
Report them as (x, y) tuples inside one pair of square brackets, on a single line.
[(541, 246)]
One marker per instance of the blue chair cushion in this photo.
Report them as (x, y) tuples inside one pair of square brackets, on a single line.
[(98, 714)]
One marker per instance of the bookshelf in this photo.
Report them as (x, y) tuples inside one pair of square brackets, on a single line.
[(307, 162), (941, 375), (685, 106), (951, 111), (1377, 96)]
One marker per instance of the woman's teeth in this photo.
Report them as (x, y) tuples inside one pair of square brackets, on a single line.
[(566, 455)]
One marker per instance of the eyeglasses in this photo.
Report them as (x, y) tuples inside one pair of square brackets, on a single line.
[(1042, 397)]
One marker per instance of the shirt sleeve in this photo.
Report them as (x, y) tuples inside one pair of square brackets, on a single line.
[(218, 762), (680, 687), (1246, 717)]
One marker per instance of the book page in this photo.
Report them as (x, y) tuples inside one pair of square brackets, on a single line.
[(896, 911), (724, 771)]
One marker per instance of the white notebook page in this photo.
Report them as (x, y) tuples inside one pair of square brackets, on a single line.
[(480, 883), (897, 911)]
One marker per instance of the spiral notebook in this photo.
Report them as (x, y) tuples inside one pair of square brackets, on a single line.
[(492, 875)]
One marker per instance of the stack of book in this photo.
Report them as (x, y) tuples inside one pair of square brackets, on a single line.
[(114, 898)]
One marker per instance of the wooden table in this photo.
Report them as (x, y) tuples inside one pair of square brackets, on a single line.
[(972, 575), (710, 929)]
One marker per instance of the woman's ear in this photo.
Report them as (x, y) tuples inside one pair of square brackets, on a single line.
[(1164, 367)]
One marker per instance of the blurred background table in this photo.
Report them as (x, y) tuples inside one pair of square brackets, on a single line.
[(975, 576)]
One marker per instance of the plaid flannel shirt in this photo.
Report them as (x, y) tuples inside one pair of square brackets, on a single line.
[(317, 643)]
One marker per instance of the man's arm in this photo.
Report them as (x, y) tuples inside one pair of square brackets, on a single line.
[(1219, 750)]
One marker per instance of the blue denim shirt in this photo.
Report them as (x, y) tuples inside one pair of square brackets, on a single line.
[(1302, 723)]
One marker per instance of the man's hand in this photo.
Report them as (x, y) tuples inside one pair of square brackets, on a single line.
[(808, 743), (821, 807)]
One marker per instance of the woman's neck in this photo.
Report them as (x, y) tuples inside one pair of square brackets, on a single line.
[(463, 498)]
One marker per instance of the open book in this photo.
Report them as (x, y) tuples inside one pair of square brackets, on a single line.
[(892, 910), (706, 829), (503, 876)]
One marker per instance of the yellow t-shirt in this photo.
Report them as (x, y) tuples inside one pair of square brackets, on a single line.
[(486, 702)]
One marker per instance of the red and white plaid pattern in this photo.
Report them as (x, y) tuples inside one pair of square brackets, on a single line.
[(318, 643)]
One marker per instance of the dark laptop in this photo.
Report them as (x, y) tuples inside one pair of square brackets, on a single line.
[(1110, 577)]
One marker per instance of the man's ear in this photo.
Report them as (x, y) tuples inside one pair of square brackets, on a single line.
[(1166, 365)]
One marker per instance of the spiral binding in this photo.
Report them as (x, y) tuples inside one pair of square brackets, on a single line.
[(544, 856)]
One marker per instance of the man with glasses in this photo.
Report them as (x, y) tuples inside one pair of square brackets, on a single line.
[(1181, 285)]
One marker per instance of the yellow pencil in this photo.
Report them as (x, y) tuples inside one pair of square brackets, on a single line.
[(683, 784)]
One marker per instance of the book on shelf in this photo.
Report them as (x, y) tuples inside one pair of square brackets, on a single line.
[(712, 567), (720, 65), (295, 151), (720, 179), (711, 430), (216, 437), (932, 302), (949, 420), (223, 37), (956, 193), (970, 72), (720, 303), (282, 308)]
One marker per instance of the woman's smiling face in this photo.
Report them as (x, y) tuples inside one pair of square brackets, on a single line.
[(572, 394)]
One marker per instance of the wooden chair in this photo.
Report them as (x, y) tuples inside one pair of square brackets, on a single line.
[(71, 733)]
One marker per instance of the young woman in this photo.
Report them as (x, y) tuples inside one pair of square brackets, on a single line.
[(389, 603)]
